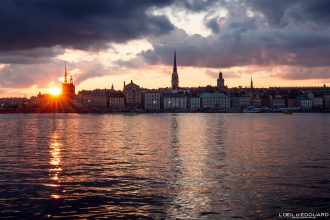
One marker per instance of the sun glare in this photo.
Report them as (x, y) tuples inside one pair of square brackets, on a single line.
[(55, 91)]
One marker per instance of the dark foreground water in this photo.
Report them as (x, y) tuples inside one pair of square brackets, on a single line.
[(199, 166)]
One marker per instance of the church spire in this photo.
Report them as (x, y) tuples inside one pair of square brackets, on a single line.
[(174, 64), (65, 75), (175, 76), (251, 85), (220, 75)]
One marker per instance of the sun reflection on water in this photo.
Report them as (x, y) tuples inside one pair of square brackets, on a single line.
[(55, 163)]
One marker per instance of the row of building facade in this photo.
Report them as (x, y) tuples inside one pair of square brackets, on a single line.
[(217, 98), (135, 98)]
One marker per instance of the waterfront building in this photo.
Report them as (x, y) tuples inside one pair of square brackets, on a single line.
[(215, 101), (326, 101), (115, 101), (194, 102), (68, 98), (68, 88), (317, 102), (278, 101), (175, 101), (132, 93), (240, 101), (256, 101), (291, 102), (13, 104), (151, 100), (175, 75), (266, 101), (220, 81), (93, 100), (305, 102)]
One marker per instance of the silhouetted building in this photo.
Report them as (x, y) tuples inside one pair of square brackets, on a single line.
[(278, 101), (175, 101), (152, 100), (13, 104), (132, 93), (266, 101), (326, 101), (220, 81), (317, 102), (291, 102), (256, 101), (68, 88), (175, 76), (305, 102), (95, 100), (240, 101), (194, 102), (115, 100), (215, 101)]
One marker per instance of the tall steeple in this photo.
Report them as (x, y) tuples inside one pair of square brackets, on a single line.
[(68, 88), (251, 85), (174, 65), (65, 75), (175, 76), (220, 75), (220, 81)]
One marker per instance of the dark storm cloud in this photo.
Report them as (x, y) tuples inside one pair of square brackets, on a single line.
[(196, 5), (32, 56), (279, 32), (213, 25), (81, 24), (89, 70), (272, 35), (281, 11)]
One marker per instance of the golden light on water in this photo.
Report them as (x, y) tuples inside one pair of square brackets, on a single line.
[(55, 152), (55, 91), (55, 163)]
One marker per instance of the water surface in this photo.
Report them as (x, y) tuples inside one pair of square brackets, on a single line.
[(199, 166)]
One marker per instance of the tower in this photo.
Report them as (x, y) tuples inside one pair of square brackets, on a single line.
[(68, 88), (220, 81), (175, 76), (251, 85), (65, 75)]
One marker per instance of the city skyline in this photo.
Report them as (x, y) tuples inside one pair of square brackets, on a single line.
[(102, 46)]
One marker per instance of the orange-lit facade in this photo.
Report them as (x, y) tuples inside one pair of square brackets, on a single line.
[(68, 88)]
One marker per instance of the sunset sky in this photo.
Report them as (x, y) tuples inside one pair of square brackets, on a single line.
[(104, 42)]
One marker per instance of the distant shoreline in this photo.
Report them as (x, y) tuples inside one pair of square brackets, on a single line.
[(162, 112)]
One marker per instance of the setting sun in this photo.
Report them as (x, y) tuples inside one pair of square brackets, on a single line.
[(55, 91)]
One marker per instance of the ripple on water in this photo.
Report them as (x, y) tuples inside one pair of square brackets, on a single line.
[(199, 166)]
